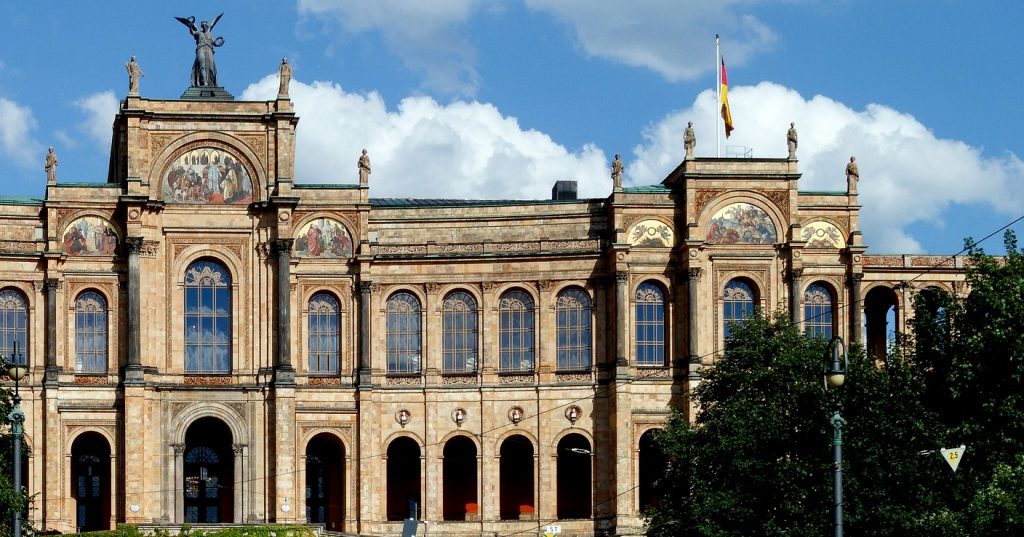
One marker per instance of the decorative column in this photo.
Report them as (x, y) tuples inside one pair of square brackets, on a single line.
[(621, 318), (239, 487), (363, 374), (179, 480), (693, 321), (856, 308), (51, 285), (795, 311), (284, 372), (133, 372)]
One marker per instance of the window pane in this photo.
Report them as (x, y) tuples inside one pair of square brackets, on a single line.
[(207, 318), (649, 328)]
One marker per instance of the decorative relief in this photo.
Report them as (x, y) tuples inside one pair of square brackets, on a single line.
[(545, 285), (459, 248), (822, 234), (411, 380), (488, 286), (515, 246), (459, 416), (515, 378), (652, 233), (779, 197), (575, 245), (703, 197), (884, 260), (458, 379), (404, 249), (931, 262), (18, 246), (91, 379), (432, 288), (150, 248), (516, 414), (207, 381), (403, 417), (158, 141), (652, 372), (256, 142), (583, 376), (573, 413)]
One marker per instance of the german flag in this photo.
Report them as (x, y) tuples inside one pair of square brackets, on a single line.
[(726, 114)]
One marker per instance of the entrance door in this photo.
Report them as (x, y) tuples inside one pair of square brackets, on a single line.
[(90, 482), (208, 472)]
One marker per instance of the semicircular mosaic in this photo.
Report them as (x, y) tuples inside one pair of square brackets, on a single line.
[(323, 237), (207, 175), (822, 234), (89, 235), (741, 223), (651, 234)]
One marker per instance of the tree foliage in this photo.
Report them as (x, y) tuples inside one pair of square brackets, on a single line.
[(9, 498)]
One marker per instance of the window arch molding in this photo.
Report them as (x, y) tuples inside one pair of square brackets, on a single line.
[(777, 216), (516, 432), (512, 358), (571, 430), (386, 299), (500, 291), (232, 265), (110, 437), (724, 303), (657, 279), (310, 434), (23, 295), (466, 343), (810, 323), (108, 330), (306, 331), (574, 341), (646, 348), (446, 289), (166, 158)]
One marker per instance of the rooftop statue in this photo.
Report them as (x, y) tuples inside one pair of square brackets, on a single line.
[(791, 141), (204, 70), (134, 72), (689, 140), (51, 166)]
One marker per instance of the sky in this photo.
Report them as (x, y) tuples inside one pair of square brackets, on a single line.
[(498, 99)]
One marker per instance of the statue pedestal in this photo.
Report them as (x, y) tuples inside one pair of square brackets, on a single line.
[(206, 93)]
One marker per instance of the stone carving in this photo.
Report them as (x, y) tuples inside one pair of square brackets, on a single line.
[(515, 246), (160, 141), (791, 141), (18, 246), (689, 140), (931, 262), (457, 248), (852, 175), (208, 381), (204, 70), (515, 378), (284, 75), (702, 198), (51, 166), (403, 417), (617, 172), (516, 414), (652, 372), (134, 72), (404, 380), (458, 379), (573, 377), (364, 168), (459, 416), (652, 234), (432, 288), (90, 379), (779, 197), (574, 245), (884, 260), (150, 248), (573, 413), (409, 249), (822, 234)]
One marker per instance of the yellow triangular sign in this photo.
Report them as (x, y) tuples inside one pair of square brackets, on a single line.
[(953, 455)]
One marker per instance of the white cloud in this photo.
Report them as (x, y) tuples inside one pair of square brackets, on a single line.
[(908, 175), (425, 149), (425, 35), (16, 139), (99, 109), (675, 39)]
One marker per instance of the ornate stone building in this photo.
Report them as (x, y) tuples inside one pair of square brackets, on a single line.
[(211, 341)]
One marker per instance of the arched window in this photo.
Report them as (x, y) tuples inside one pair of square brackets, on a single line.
[(403, 333), (573, 319), (738, 304), (324, 334), (650, 325), (818, 308), (90, 333), (515, 330), (207, 318), (14, 325), (458, 320)]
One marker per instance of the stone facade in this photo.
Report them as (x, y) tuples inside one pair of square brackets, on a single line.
[(120, 442)]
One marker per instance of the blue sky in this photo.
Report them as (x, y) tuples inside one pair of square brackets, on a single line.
[(488, 99)]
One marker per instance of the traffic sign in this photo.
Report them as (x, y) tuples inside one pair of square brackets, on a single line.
[(953, 455)]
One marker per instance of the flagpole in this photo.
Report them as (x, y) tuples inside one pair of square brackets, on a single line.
[(718, 98)]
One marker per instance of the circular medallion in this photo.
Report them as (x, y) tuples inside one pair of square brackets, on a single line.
[(459, 416), (133, 214), (573, 413), (403, 417), (516, 414), (284, 216)]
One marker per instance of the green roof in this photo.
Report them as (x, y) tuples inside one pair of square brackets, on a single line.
[(324, 186), (420, 202), (20, 200), (647, 189)]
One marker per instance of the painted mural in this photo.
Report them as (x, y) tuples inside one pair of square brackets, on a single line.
[(652, 234), (90, 235), (821, 234), (741, 223), (207, 175), (323, 237)]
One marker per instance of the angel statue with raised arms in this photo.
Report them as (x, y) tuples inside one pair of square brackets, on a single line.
[(204, 71)]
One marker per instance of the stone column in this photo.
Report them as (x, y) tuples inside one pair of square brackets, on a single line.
[(856, 308), (133, 372), (239, 486), (693, 315), (363, 374), (621, 318), (51, 285), (284, 372), (796, 313), (179, 479)]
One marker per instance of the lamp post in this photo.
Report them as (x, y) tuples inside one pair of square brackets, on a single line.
[(16, 371), (836, 365)]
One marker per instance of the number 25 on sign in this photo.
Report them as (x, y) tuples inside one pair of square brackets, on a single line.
[(953, 455)]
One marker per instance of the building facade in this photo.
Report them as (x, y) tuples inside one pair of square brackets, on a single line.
[(210, 341)]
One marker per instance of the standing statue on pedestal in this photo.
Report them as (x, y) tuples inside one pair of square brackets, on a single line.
[(852, 175), (364, 168), (204, 70), (134, 72), (791, 141), (689, 140), (284, 75), (617, 172), (51, 166)]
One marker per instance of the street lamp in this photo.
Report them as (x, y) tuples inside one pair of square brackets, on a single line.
[(16, 371), (836, 365)]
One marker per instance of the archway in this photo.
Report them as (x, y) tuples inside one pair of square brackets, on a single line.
[(325, 482), (403, 479), (574, 477), (208, 472), (459, 478), (516, 487), (652, 468), (881, 306), (90, 481)]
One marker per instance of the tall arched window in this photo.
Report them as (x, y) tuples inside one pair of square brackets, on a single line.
[(572, 312), (324, 334), (90, 333), (14, 325), (403, 333), (207, 318), (738, 304), (650, 325), (515, 331), (458, 320), (818, 306)]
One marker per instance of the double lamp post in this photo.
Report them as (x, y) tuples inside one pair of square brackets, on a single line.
[(16, 371)]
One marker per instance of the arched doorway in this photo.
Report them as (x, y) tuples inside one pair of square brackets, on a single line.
[(325, 482), (516, 487), (574, 477), (403, 479), (90, 482), (459, 478), (652, 468), (208, 472), (880, 308)]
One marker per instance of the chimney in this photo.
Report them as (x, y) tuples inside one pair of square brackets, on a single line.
[(563, 190)]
